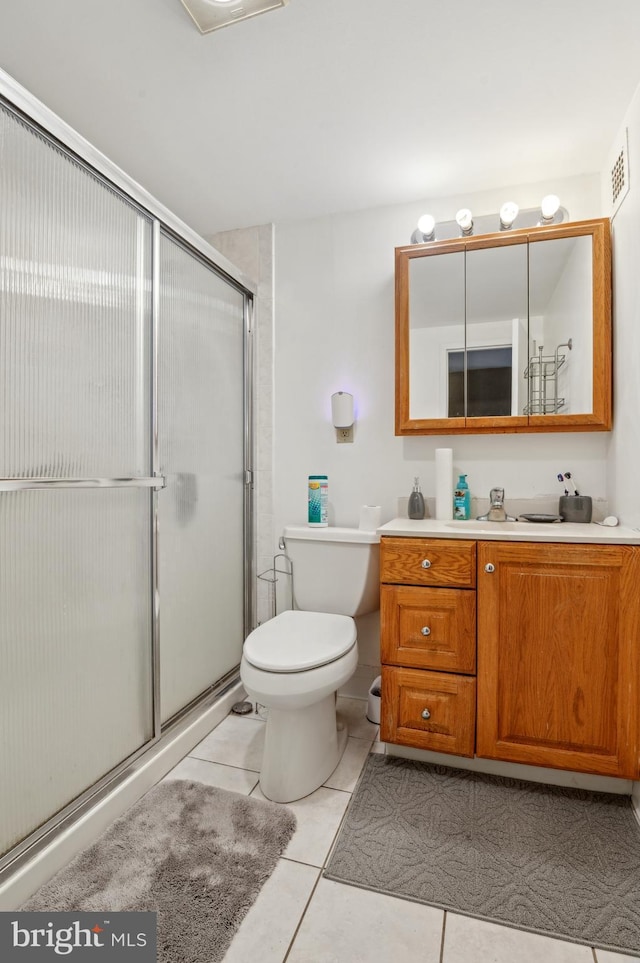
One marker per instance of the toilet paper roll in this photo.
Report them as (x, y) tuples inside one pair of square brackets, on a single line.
[(444, 484), (370, 517)]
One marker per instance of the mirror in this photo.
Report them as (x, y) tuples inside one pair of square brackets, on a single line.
[(506, 332)]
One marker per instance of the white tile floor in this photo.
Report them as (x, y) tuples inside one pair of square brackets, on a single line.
[(302, 918)]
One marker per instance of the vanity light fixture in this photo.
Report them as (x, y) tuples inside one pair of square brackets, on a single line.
[(425, 231), (464, 220), (209, 15), (549, 208), (548, 212), (508, 214)]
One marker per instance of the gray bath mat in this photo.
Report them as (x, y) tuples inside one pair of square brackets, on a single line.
[(196, 855), (561, 862)]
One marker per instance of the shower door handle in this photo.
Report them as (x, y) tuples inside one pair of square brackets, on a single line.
[(30, 484)]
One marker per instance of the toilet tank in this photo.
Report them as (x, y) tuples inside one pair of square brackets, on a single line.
[(334, 569)]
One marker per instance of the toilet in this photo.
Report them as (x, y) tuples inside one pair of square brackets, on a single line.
[(295, 663)]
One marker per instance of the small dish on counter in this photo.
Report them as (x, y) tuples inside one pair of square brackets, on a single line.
[(537, 517)]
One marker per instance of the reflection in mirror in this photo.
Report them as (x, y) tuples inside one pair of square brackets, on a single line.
[(436, 327), (496, 331), (559, 369)]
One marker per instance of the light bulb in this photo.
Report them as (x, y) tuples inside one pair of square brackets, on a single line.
[(427, 225), (549, 207), (508, 214), (464, 220)]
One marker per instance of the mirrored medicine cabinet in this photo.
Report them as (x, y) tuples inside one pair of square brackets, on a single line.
[(506, 332)]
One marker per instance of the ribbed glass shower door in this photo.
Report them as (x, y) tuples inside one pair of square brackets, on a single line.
[(201, 359), (76, 683)]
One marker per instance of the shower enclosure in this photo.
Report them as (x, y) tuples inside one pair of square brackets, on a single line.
[(125, 481)]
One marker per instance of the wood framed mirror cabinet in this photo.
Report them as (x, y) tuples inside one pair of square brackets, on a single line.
[(507, 332)]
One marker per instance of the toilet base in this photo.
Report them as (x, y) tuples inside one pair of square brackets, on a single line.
[(301, 750)]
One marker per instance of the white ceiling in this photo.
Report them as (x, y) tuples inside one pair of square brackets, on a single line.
[(331, 105)]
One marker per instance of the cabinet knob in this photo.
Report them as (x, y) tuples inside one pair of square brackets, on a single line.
[(426, 563), (489, 567), (426, 714), (425, 630)]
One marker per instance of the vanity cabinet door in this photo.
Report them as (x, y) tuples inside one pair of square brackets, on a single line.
[(428, 710), (558, 655), (428, 628)]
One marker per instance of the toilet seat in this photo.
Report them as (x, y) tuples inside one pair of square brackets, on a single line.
[(295, 641)]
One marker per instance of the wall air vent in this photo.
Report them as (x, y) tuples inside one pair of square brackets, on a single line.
[(211, 15), (619, 172)]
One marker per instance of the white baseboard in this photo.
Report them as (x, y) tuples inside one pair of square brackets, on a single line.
[(514, 770), (145, 773), (635, 799)]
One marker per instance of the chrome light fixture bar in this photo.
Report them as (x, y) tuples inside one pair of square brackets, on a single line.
[(209, 15), (509, 216)]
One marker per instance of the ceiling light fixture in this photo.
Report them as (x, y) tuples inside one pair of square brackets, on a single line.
[(211, 15), (508, 214), (464, 220), (425, 231)]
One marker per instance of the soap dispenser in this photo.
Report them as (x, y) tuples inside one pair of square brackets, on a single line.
[(416, 501), (462, 500)]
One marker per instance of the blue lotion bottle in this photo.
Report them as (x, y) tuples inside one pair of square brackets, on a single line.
[(462, 500)]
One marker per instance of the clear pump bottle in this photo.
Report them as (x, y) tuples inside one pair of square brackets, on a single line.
[(416, 501)]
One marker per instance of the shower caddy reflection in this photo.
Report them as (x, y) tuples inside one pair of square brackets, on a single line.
[(542, 373)]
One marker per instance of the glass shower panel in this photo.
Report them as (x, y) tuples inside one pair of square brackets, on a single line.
[(201, 439), (75, 666), (75, 594), (75, 269)]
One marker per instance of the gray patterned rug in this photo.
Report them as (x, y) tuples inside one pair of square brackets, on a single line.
[(196, 855), (561, 862)]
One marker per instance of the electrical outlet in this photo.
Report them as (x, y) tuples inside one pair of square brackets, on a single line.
[(344, 435)]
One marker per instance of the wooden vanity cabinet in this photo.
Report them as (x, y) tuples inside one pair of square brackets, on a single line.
[(428, 636), (558, 651), (558, 659)]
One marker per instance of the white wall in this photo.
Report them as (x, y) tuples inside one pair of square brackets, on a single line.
[(334, 330), (623, 452)]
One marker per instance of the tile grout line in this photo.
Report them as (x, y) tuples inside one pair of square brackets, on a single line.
[(319, 877), (228, 765), (302, 916), (444, 927)]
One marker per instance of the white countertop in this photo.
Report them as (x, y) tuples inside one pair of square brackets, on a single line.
[(513, 531)]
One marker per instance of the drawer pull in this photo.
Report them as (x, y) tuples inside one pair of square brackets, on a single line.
[(426, 714), (425, 630), (489, 567), (426, 563)]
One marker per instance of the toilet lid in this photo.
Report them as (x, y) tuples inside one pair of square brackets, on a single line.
[(294, 641)]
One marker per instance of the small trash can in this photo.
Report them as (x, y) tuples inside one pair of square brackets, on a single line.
[(373, 703)]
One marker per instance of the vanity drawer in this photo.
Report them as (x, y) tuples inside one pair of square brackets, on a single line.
[(428, 561), (429, 628), (429, 710)]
